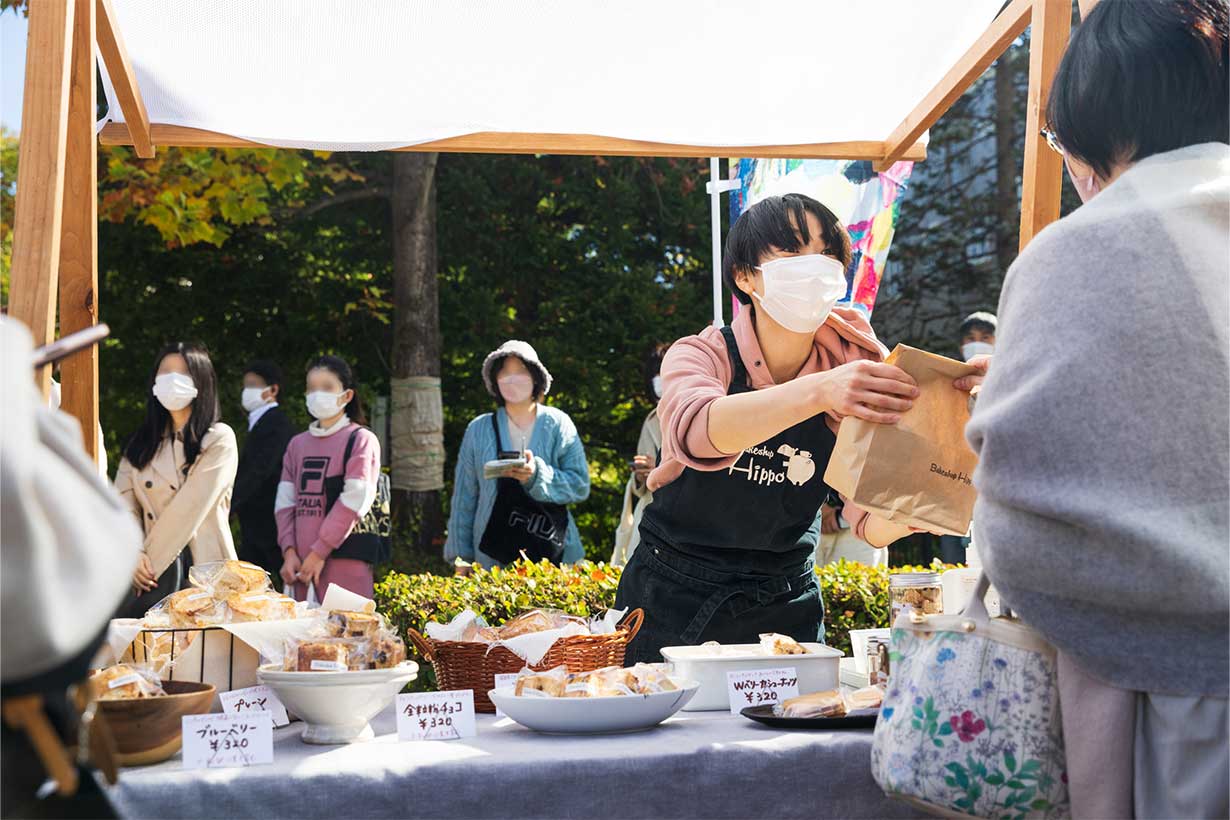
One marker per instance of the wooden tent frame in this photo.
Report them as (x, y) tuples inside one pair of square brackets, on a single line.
[(55, 242)]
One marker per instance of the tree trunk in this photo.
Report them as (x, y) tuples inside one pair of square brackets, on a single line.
[(1008, 201), (416, 417)]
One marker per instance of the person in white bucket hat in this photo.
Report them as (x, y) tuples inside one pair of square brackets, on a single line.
[(517, 471)]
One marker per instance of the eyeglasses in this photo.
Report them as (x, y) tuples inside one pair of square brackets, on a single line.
[(1052, 141)]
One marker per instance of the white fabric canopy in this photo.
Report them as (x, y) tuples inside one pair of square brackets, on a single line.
[(382, 74)]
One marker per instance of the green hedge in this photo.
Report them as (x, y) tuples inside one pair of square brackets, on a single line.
[(855, 596)]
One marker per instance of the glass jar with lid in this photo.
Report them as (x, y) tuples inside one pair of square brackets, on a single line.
[(921, 592)]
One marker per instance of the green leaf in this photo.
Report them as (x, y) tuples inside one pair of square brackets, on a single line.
[(995, 779), (918, 713), (1040, 804), (1015, 784), (1030, 766), (946, 729), (951, 781), (1010, 760), (939, 744)]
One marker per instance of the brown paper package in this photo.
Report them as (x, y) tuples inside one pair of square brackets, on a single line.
[(916, 472)]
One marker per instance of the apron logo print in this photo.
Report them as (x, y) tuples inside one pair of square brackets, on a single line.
[(537, 524), (799, 467)]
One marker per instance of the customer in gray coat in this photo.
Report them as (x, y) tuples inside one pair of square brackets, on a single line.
[(1102, 429)]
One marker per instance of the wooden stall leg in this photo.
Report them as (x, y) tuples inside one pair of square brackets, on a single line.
[(40, 190), (79, 232), (1042, 177)]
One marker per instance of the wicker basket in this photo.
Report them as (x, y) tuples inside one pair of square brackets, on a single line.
[(473, 665)]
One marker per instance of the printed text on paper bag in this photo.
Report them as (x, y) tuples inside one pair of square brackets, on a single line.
[(220, 741), (759, 687), (955, 475), (436, 715)]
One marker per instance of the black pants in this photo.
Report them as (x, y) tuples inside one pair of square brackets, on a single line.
[(688, 603), (173, 579)]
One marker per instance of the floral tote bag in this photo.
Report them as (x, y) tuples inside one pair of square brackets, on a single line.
[(970, 725)]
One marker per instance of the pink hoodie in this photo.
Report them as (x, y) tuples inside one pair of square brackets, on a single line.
[(696, 372)]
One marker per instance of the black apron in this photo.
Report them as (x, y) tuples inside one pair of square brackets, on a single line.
[(519, 523), (728, 554)]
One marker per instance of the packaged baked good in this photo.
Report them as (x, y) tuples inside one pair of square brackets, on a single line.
[(260, 606), (549, 684), (343, 624), (538, 620), (773, 644), (227, 578), (387, 651), (124, 681), (319, 655), (818, 704), (190, 608), (869, 697), (610, 682), (159, 649), (652, 678)]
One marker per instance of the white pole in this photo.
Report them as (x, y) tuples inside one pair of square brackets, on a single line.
[(715, 217)]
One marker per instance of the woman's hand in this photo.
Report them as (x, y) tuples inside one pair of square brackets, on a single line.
[(143, 578), (642, 466), (309, 570), (828, 520), (526, 471), (290, 566), (969, 383), (868, 390)]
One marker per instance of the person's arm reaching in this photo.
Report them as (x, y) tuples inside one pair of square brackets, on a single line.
[(568, 482)]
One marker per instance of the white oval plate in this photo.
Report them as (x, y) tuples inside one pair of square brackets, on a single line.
[(583, 716)]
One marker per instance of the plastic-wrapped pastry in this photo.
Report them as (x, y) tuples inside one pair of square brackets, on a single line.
[(227, 578), (191, 608), (387, 651), (869, 697), (321, 655), (124, 682), (604, 683), (343, 624), (773, 644), (260, 606), (652, 678), (818, 704), (549, 684), (538, 620)]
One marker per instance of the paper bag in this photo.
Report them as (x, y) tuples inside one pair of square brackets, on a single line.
[(916, 472)]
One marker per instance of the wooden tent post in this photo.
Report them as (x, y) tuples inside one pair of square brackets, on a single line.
[(40, 194), (1042, 177), (79, 232)]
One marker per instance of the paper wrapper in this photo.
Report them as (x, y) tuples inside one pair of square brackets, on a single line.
[(340, 598), (916, 472), (533, 646)]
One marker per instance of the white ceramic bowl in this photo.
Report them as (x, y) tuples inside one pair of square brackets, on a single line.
[(336, 706), (584, 716), (818, 670)]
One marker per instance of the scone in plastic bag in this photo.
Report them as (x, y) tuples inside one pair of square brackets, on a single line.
[(190, 608), (539, 620), (652, 678), (124, 682), (159, 650), (260, 606), (230, 577), (549, 684)]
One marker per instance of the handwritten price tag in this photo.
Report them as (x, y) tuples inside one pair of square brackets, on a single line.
[(504, 682), (436, 715), (254, 699), (758, 687), (219, 741)]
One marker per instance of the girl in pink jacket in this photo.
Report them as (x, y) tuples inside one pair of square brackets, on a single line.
[(329, 480)]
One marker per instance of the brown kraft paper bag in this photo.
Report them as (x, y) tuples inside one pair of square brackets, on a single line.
[(916, 472)]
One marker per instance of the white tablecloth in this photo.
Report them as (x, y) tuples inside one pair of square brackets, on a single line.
[(695, 765)]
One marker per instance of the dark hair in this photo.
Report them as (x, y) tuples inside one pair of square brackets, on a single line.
[(267, 369), (206, 412), (1140, 79), (779, 223), (982, 320), (653, 367), (540, 383), (338, 367)]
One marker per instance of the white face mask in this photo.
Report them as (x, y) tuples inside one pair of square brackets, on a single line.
[(971, 349), (324, 405), (516, 389), (656, 381), (252, 398), (175, 391), (800, 291)]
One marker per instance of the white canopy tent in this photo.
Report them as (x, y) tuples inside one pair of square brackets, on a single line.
[(676, 78)]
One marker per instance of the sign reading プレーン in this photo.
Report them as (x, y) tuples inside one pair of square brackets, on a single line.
[(254, 699), (760, 687)]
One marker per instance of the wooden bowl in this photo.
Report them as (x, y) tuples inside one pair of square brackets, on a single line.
[(148, 730)]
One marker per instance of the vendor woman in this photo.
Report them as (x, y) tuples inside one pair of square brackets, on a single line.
[(749, 416)]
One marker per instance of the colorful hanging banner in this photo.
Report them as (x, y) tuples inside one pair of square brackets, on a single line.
[(865, 202)]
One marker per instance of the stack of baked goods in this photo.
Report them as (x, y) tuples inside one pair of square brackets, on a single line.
[(830, 704), (349, 642), (222, 592), (472, 628), (611, 681), (124, 682)]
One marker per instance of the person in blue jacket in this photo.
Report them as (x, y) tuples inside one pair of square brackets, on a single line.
[(519, 505)]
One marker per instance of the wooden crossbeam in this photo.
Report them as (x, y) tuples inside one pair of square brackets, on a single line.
[(1042, 175), (40, 196), (119, 69), (1005, 28), (117, 133), (79, 232)]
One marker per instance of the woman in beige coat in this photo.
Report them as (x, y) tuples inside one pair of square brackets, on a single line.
[(176, 476)]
